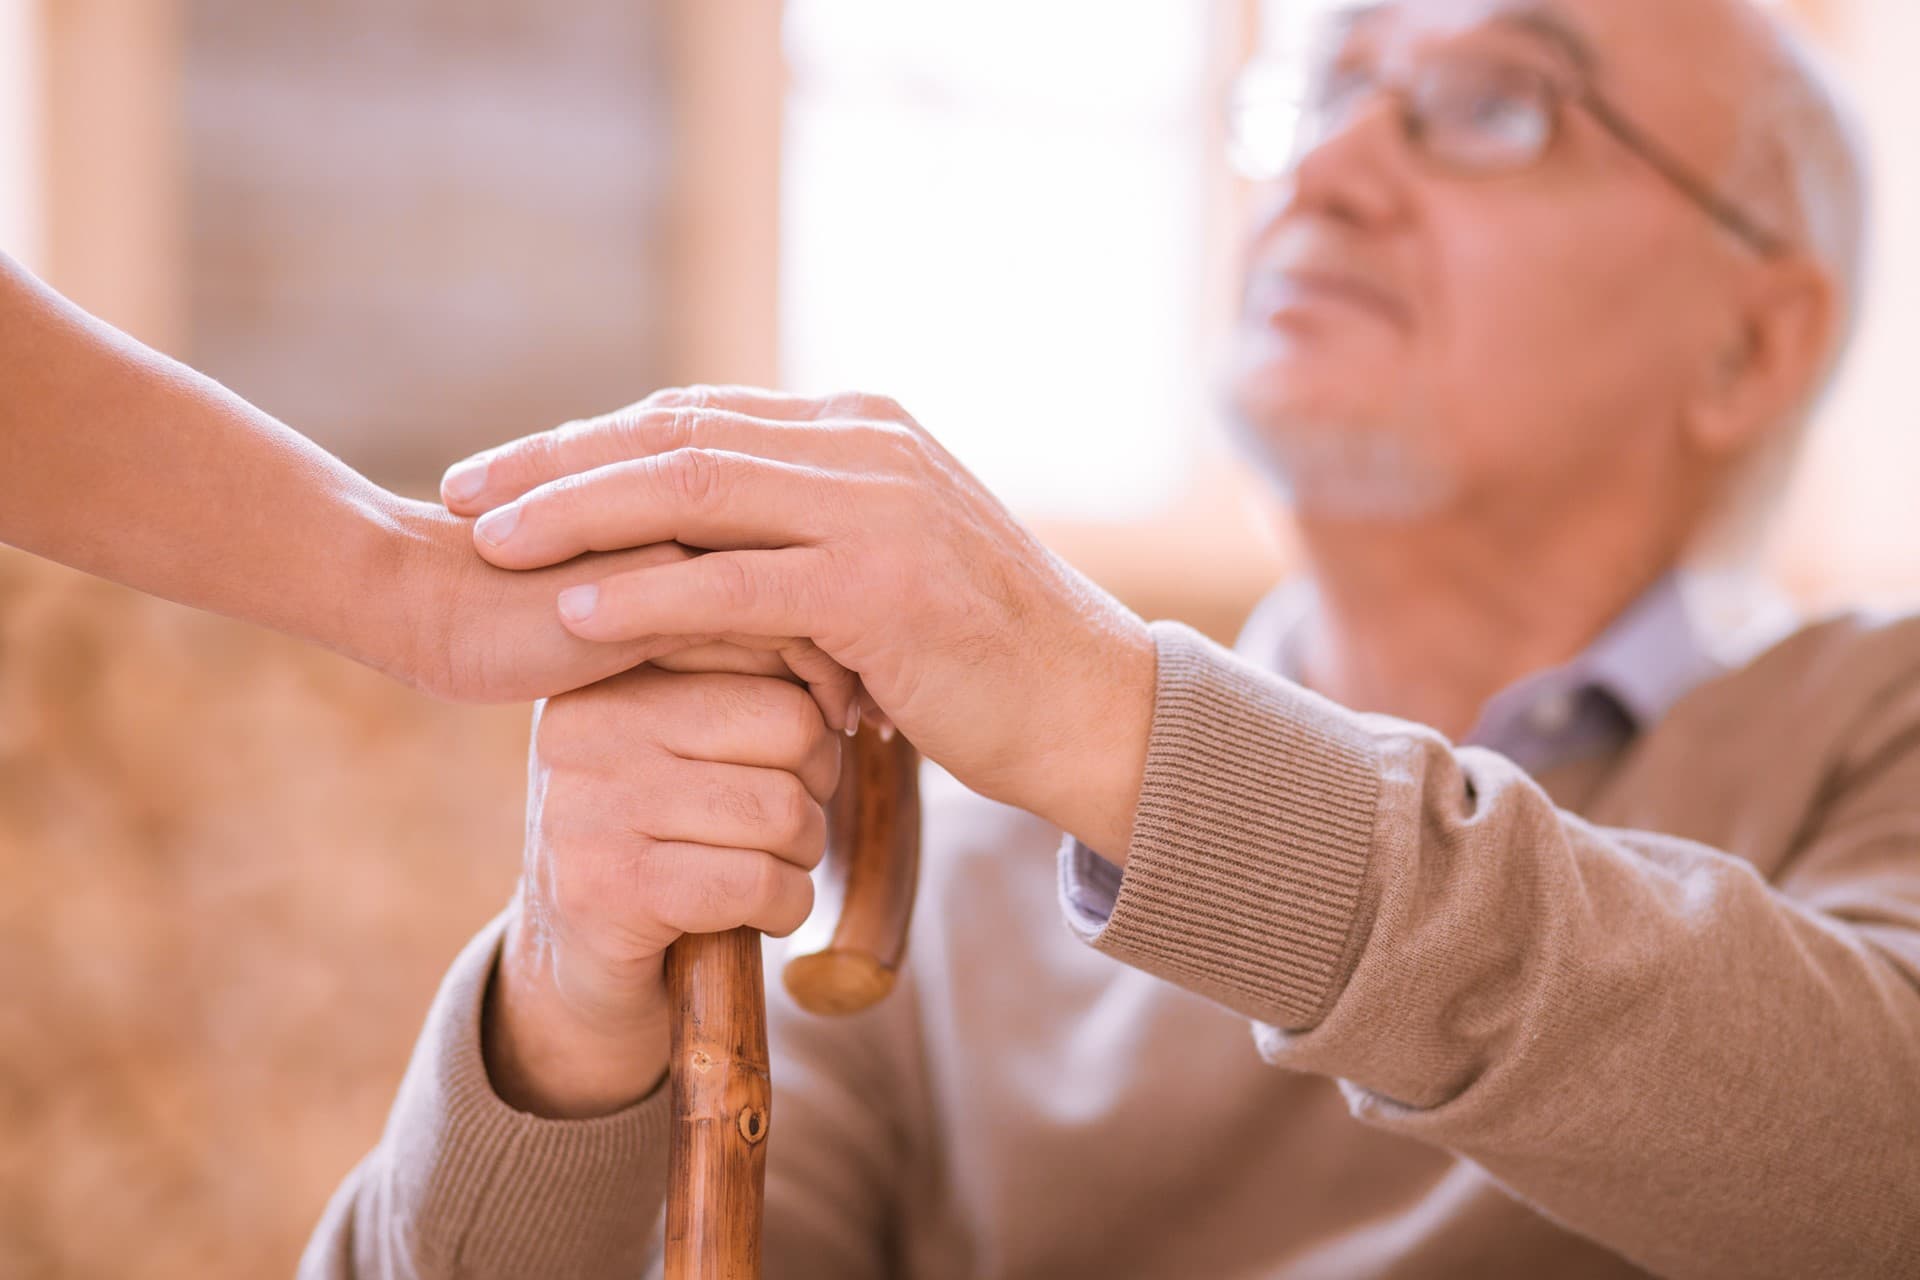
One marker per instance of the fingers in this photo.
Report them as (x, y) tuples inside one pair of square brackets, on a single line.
[(782, 406), (834, 689), (759, 424), (605, 733), (667, 888), (701, 889), (759, 592), (700, 497), (752, 721), (736, 806), (739, 419), (662, 804), (634, 838), (723, 656)]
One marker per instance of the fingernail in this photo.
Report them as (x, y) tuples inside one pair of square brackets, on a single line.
[(498, 525), (887, 731), (578, 603), (464, 480), (853, 719)]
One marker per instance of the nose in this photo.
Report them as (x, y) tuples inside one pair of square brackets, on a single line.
[(1357, 175)]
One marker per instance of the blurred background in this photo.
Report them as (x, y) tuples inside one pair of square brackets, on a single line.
[(231, 869)]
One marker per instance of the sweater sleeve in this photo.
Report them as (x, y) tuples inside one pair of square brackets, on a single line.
[(461, 1184), (1642, 1037)]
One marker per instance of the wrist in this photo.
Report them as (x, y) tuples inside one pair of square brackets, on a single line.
[(546, 1057), (1089, 782), (417, 562)]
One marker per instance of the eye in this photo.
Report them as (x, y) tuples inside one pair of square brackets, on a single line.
[(1486, 117), (1509, 117)]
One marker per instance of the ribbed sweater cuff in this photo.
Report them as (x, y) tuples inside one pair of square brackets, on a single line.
[(497, 1191), (1250, 840)]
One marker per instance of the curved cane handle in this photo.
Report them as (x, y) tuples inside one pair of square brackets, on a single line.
[(845, 958)]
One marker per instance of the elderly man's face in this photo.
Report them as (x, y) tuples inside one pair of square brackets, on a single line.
[(1414, 339)]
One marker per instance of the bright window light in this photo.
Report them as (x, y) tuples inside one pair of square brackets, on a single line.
[(994, 213)]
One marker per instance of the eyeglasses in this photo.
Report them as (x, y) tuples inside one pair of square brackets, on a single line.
[(1467, 115)]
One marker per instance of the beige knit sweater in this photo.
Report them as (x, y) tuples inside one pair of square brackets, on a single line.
[(1500, 1027)]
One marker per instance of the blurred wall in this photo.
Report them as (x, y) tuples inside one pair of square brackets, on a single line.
[(232, 869), (409, 230), (1850, 527), (414, 229)]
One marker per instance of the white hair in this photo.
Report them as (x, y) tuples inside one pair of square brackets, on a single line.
[(1801, 166)]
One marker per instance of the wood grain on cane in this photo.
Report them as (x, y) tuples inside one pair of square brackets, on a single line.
[(722, 1107), (845, 958), (844, 961)]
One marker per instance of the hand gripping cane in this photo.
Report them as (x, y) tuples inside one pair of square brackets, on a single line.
[(842, 961)]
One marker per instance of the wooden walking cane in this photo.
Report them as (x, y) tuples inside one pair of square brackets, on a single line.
[(842, 961)]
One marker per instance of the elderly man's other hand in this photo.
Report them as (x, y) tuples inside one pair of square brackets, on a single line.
[(841, 520), (658, 804)]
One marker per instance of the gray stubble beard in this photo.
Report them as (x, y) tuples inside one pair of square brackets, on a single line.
[(1345, 473)]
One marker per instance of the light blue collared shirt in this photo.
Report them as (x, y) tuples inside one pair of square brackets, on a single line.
[(1632, 674)]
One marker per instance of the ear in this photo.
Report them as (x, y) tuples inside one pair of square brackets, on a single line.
[(1777, 344)]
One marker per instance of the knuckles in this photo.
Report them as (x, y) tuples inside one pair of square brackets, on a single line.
[(648, 428), (735, 583), (863, 404), (574, 881), (694, 476), (793, 818), (571, 725), (696, 396), (736, 804), (786, 718)]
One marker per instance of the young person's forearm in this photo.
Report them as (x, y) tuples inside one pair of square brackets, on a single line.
[(119, 461)]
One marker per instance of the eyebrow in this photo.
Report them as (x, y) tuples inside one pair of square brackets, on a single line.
[(1537, 21), (1551, 27)]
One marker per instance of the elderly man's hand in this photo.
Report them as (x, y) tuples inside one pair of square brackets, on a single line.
[(842, 521), (658, 804)]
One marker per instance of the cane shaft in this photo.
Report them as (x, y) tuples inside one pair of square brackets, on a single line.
[(845, 959), (722, 1107)]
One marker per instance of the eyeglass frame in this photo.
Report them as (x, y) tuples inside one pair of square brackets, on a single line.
[(1557, 95)]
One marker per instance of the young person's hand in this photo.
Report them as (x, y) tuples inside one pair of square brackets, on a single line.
[(461, 629)]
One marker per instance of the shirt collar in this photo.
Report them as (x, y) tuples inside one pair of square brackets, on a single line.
[(1650, 657), (1661, 647)]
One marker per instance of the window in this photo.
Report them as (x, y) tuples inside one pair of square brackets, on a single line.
[(998, 213)]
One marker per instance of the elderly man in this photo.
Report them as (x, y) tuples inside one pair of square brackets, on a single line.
[(1628, 980)]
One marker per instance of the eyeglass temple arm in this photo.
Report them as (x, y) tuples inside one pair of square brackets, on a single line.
[(1718, 206)]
